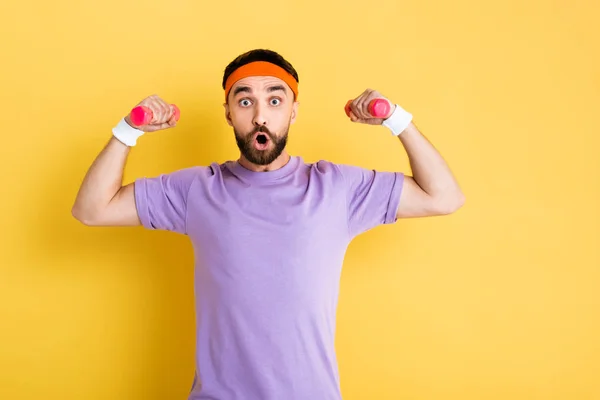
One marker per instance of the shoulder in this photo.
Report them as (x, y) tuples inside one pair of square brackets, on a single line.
[(341, 171), (325, 171), (177, 180), (325, 167), (357, 178), (198, 172)]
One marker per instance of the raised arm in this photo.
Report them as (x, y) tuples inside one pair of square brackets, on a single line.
[(432, 189), (102, 200)]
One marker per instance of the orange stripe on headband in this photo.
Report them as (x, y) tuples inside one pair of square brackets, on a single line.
[(261, 68)]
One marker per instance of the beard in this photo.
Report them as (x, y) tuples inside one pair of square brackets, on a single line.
[(261, 157)]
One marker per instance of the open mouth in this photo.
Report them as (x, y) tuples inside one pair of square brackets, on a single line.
[(261, 141)]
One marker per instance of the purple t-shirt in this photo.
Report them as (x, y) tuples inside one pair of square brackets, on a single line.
[(268, 250)]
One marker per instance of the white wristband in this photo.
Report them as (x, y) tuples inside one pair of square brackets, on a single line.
[(126, 134), (398, 121)]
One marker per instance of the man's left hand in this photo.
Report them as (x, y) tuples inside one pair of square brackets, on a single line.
[(358, 109)]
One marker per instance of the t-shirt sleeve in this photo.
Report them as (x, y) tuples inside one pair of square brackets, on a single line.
[(161, 201), (372, 197)]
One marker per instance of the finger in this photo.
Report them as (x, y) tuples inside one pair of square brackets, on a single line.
[(163, 125), (167, 111), (360, 105), (164, 111), (364, 103), (154, 105), (356, 108)]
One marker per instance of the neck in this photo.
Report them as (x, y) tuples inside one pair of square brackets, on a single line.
[(279, 162)]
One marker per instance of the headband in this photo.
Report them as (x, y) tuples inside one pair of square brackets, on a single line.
[(261, 68)]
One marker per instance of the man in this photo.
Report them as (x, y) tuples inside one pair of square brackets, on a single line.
[(269, 231)]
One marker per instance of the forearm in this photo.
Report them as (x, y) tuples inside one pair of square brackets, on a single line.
[(430, 171), (102, 181)]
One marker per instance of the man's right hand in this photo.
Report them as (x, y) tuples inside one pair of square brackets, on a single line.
[(163, 115)]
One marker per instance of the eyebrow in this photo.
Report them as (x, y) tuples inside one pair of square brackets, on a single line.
[(246, 89)]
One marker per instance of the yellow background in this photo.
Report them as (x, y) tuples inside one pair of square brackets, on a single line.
[(498, 301)]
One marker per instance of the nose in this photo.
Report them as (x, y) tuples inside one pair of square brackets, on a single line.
[(259, 116)]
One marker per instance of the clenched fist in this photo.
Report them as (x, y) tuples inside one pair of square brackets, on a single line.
[(163, 115), (358, 109)]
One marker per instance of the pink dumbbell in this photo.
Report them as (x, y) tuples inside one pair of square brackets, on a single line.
[(142, 115), (378, 108)]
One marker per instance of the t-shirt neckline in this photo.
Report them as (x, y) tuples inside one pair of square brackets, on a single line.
[(263, 176)]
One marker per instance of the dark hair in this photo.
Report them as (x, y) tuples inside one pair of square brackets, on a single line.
[(259, 55)]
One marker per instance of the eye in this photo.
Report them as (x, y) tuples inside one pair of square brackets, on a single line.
[(244, 102), (275, 102)]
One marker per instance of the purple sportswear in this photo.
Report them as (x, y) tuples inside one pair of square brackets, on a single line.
[(268, 249)]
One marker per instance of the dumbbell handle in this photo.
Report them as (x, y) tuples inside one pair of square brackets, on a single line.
[(142, 115), (378, 108)]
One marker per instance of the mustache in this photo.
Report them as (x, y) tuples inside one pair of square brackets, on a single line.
[(262, 129)]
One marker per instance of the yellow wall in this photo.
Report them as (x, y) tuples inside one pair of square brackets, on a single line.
[(498, 301)]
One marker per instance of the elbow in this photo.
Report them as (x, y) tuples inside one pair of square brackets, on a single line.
[(451, 204), (82, 216), (458, 202)]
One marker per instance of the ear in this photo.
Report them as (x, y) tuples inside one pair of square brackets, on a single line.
[(294, 111), (227, 114)]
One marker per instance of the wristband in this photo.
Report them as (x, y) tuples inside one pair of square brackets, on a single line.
[(398, 121), (126, 134)]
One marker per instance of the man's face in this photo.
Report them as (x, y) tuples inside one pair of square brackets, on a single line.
[(261, 109)]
